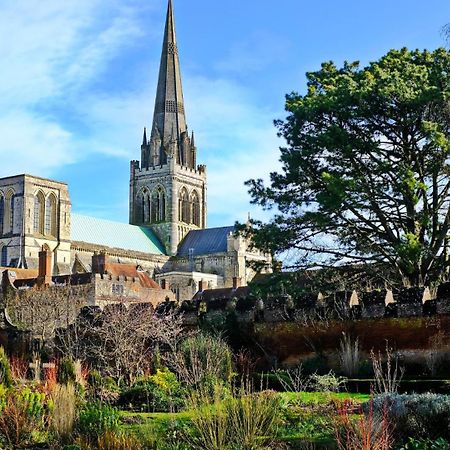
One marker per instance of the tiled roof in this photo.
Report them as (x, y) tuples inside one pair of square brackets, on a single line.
[(115, 235), (20, 274), (203, 242), (131, 271)]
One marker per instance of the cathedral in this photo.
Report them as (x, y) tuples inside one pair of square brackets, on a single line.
[(167, 236)]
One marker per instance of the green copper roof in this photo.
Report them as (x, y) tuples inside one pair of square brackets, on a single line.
[(115, 235)]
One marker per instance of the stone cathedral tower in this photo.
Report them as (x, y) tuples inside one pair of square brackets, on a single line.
[(167, 188)]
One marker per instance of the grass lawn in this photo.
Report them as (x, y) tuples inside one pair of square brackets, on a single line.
[(307, 416), (322, 398)]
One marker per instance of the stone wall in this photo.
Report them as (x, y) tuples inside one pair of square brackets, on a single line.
[(108, 289)]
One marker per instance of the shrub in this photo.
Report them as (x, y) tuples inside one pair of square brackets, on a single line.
[(5, 369), (315, 364), (157, 393), (209, 420), (426, 444), (63, 414), (327, 383), (96, 419), (101, 388), (253, 418), (66, 371), (243, 420), (23, 414), (418, 415), (370, 432), (203, 357)]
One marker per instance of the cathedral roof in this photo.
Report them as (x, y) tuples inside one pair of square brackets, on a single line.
[(203, 242), (115, 235)]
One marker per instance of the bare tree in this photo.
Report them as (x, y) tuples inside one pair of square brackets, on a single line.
[(43, 310), (121, 341)]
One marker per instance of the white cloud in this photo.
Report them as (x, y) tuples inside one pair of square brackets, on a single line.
[(52, 54), (32, 144)]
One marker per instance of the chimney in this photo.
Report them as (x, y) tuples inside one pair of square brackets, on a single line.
[(200, 286), (45, 267), (236, 283), (163, 283), (99, 263)]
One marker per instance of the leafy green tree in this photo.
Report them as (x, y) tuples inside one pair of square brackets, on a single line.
[(365, 173)]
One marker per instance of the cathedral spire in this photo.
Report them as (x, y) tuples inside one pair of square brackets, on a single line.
[(169, 105), (144, 138)]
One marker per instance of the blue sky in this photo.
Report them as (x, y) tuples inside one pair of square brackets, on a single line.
[(78, 81)]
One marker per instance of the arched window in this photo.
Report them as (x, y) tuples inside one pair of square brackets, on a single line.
[(162, 202), (145, 206), (183, 206), (155, 207), (50, 216), (8, 219), (158, 205), (195, 202), (39, 212), (4, 256), (2, 212)]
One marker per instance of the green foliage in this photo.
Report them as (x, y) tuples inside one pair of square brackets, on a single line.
[(365, 165), (97, 418), (66, 371), (242, 420), (24, 413), (328, 382), (101, 388), (426, 444), (202, 359), (5, 369), (160, 392), (316, 364)]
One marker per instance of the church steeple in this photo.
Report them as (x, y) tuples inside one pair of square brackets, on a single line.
[(169, 106), (167, 187)]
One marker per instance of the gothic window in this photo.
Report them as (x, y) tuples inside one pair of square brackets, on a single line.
[(50, 216), (8, 213), (195, 202), (163, 205), (39, 211), (146, 206), (155, 207), (158, 205), (4, 256), (184, 206), (2, 213)]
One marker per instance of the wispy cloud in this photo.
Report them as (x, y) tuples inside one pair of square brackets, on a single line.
[(52, 52), (55, 110)]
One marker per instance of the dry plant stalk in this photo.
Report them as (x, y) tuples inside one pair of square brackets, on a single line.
[(369, 432), (64, 410), (296, 382), (253, 418), (389, 377), (435, 356), (19, 368), (349, 355), (209, 419)]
